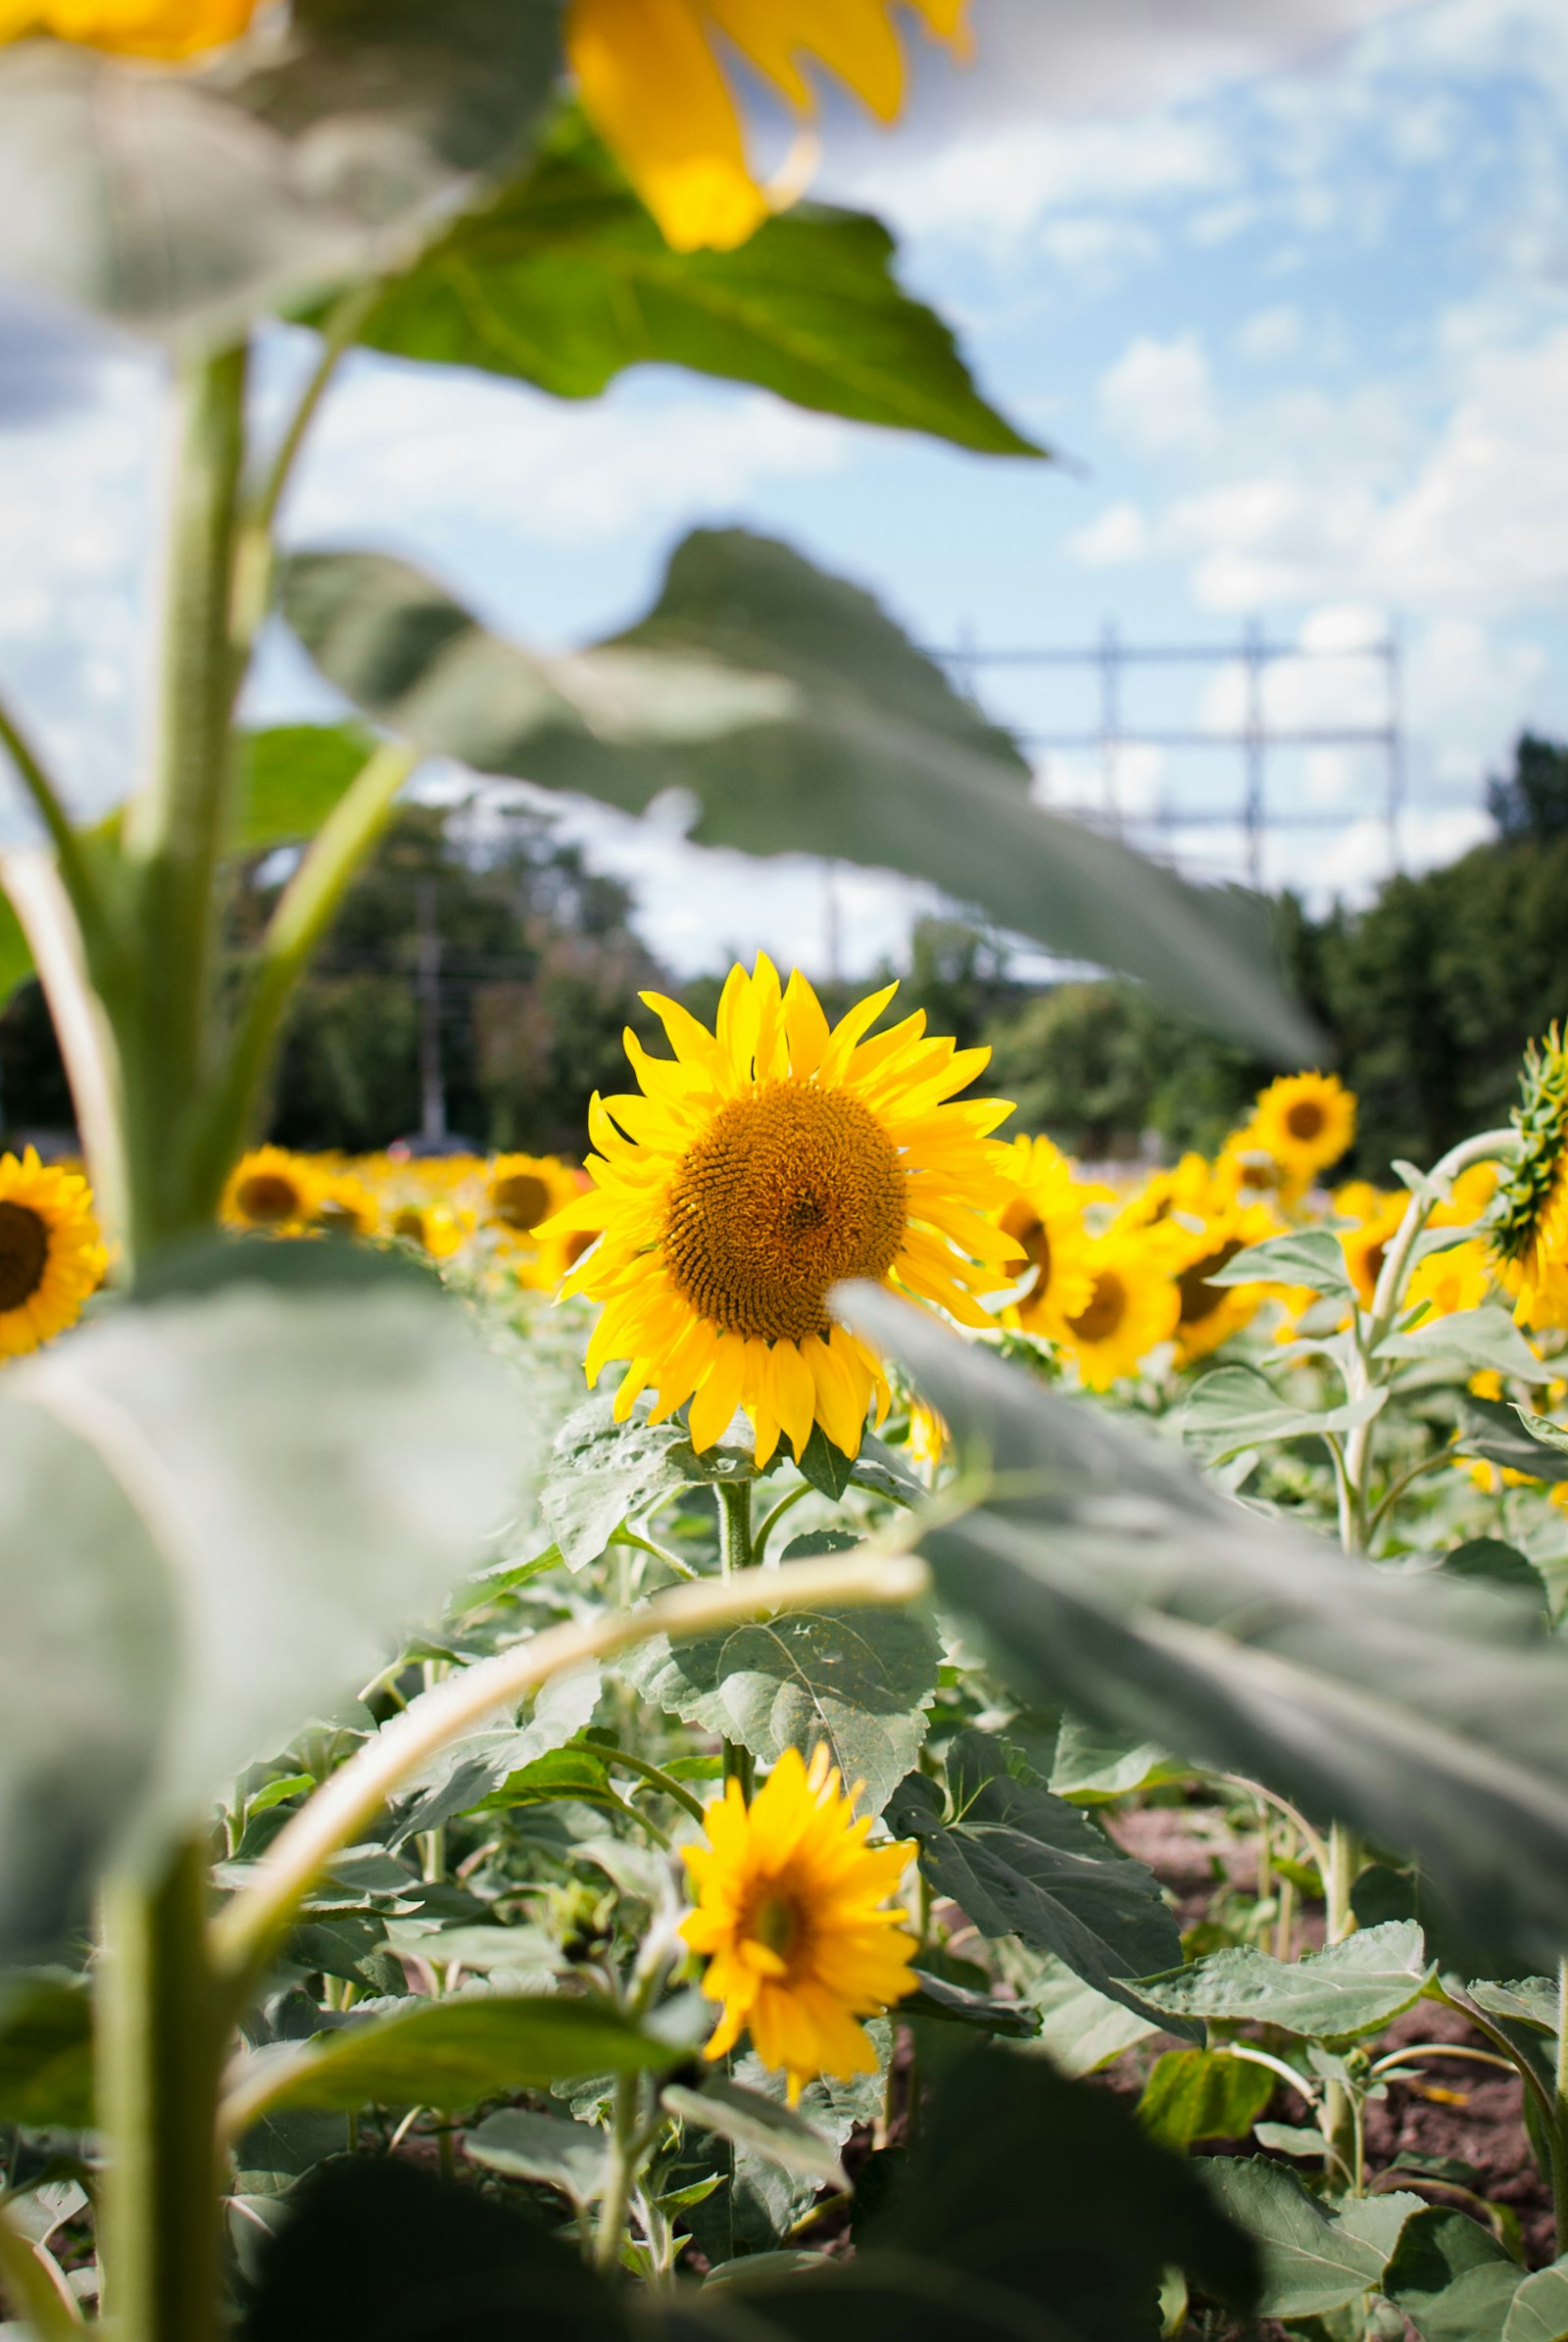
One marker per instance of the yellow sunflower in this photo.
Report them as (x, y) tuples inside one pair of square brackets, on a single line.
[(433, 1227), (1133, 1306), (790, 1911), (269, 1188), (1306, 1121), (51, 1256), (1248, 1173), (652, 79), (1210, 1314), (523, 1190), (1046, 1221), (1461, 1275), (168, 30), (1365, 1245), (347, 1205), (763, 1164)]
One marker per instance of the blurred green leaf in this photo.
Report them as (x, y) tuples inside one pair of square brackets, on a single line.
[(1486, 1339), (571, 2156), (1501, 1434), (1193, 2095), (1488, 1557), (1426, 1712), (565, 279), (16, 953), (1353, 1988), (1020, 1862), (291, 776), (1231, 1407), (748, 2120), (801, 719), (1306, 1257), (320, 150), (45, 2050)]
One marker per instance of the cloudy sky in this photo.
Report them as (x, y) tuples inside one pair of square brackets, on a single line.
[(1287, 287)]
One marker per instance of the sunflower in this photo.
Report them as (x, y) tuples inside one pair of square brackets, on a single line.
[(1461, 1276), (1530, 1236), (763, 1164), (1132, 1305), (168, 30), (51, 1256), (1208, 1314), (790, 1910), (429, 1225), (269, 1188), (346, 1205), (651, 77), (523, 1190), (1366, 1244), (1046, 1221), (1306, 1121)]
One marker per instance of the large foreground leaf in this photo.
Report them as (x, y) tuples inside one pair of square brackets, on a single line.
[(323, 148), (801, 720), (565, 279), (1108, 1575), (222, 1507)]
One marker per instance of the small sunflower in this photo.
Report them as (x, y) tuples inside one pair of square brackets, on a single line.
[(763, 1164), (1245, 1172), (429, 1225), (51, 1256), (1046, 1221), (652, 77), (347, 1205), (791, 1913), (1208, 1314), (1306, 1121), (271, 1188), (1365, 1245), (1133, 1306), (523, 1190), (166, 30)]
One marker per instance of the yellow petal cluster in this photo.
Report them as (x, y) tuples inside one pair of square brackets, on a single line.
[(762, 1165), (791, 1913), (168, 31), (656, 78)]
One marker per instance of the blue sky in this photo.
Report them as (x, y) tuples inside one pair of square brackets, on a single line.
[(1288, 284)]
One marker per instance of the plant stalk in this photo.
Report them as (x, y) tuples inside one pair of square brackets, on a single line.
[(736, 1554), (1560, 2124), (164, 2022)]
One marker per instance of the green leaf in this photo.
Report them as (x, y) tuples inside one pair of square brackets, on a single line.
[(565, 280), (377, 2246), (1539, 2309), (1485, 1339), (1308, 1256), (748, 2120), (1499, 1564), (954, 2003), (601, 1472), (1110, 1576), (1193, 2095), (825, 1465), (16, 953), (219, 1509), (838, 1679), (468, 1771), (179, 201), (1094, 1767), (1501, 1434), (1526, 2000), (571, 2156), (291, 776), (1082, 2028), (1451, 2278), (1020, 1862), (800, 717), (1312, 2262), (45, 2050), (1353, 1988), (449, 2054), (1231, 1407)]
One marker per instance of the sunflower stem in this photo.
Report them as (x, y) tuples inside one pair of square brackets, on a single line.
[(736, 1553)]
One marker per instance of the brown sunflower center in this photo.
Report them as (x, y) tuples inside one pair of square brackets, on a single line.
[(23, 1254), (521, 1198), (1028, 1230), (787, 1194), (1304, 1120), (1199, 1299), (409, 1221), (1108, 1306), (268, 1196)]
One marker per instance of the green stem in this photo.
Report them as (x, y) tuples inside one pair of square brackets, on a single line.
[(735, 1554), (770, 1520), (164, 2025), (160, 990), (1340, 2114), (619, 2185), (1559, 2123)]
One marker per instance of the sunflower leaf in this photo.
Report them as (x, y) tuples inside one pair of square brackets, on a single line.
[(1485, 1339), (796, 713), (746, 2119), (1307, 1256), (1314, 2261), (1501, 1434), (1231, 1407), (602, 1472), (1353, 1988)]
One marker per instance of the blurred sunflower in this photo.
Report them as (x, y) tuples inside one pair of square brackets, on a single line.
[(763, 1164), (1208, 1314), (51, 1254), (269, 1188), (1132, 1305), (168, 30), (791, 1915), (652, 80), (1046, 1221), (1365, 1245), (1306, 1121), (523, 1190), (433, 1227), (347, 1205), (1461, 1276)]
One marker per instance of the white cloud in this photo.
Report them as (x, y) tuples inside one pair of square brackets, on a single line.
[(1270, 334), (1120, 534), (1158, 394)]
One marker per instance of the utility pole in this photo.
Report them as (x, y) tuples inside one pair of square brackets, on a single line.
[(433, 1082)]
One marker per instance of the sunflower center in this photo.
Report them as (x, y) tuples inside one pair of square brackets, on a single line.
[(268, 1196), (1304, 1119), (775, 1922), (1028, 1230), (1199, 1299), (1108, 1306), (521, 1199), (23, 1254), (787, 1194), (409, 1221)]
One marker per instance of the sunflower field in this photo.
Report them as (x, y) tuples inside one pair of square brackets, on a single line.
[(818, 1720)]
